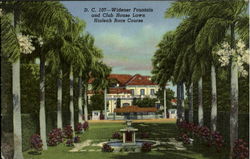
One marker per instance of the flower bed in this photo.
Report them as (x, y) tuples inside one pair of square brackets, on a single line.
[(55, 137), (107, 148), (201, 134), (36, 142), (240, 150), (146, 147)]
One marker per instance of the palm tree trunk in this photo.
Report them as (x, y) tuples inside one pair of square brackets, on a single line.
[(59, 100), (214, 99), (182, 109), (80, 113), (42, 114), (200, 105), (71, 104), (234, 96), (178, 102), (165, 107), (16, 97), (86, 102), (17, 124), (190, 103), (105, 103)]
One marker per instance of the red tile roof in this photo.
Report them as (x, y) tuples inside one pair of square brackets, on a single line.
[(126, 79), (140, 80), (121, 78), (130, 109), (118, 91)]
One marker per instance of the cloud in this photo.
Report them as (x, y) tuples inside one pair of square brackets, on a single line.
[(130, 50)]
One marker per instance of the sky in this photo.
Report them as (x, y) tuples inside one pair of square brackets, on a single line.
[(127, 47)]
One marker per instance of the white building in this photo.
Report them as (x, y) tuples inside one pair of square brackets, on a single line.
[(127, 88)]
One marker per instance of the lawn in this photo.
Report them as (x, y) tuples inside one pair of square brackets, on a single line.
[(100, 132)]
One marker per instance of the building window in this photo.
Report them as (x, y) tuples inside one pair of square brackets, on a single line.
[(142, 91), (132, 91), (152, 92)]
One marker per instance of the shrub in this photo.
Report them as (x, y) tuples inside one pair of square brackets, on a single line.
[(101, 117), (201, 133), (79, 128), (69, 142), (146, 147), (55, 137), (85, 125), (240, 150), (107, 148), (185, 138), (68, 132), (77, 139), (36, 142), (116, 135)]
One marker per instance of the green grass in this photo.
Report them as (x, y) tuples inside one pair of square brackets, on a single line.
[(100, 132)]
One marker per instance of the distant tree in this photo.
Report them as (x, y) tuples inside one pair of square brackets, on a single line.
[(146, 102), (169, 96), (96, 102)]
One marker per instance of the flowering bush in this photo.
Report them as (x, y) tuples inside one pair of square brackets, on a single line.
[(116, 135), (79, 128), (85, 125), (55, 137), (107, 148), (146, 147), (217, 140), (240, 150), (201, 133), (144, 135), (69, 142), (185, 138), (36, 142), (68, 132), (77, 139)]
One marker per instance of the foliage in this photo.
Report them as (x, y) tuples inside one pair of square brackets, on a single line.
[(69, 143), (146, 147), (202, 134), (169, 97), (96, 102), (77, 139), (145, 102), (107, 148), (68, 132), (85, 125), (79, 128), (240, 150), (116, 135), (36, 142), (55, 137)]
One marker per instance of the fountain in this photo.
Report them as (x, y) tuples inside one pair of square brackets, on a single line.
[(129, 142)]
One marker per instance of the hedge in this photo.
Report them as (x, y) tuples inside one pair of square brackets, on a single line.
[(30, 125)]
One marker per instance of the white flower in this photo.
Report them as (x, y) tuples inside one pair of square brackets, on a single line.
[(40, 41), (25, 43)]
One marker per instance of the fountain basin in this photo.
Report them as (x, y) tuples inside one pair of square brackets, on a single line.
[(119, 146)]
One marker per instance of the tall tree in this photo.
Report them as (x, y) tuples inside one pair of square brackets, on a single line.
[(10, 48), (219, 19)]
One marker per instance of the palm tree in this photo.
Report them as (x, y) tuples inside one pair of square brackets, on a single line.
[(59, 19), (101, 82), (10, 48), (75, 59), (220, 17)]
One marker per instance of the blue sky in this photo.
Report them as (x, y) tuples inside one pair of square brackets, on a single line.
[(127, 47)]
